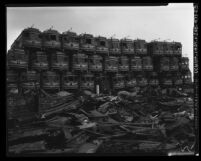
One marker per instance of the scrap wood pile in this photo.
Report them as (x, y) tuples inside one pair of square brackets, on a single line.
[(91, 123)]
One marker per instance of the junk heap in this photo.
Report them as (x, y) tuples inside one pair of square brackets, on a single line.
[(69, 93)]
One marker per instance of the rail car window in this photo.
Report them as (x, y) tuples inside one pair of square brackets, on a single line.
[(125, 45), (26, 35), (53, 37), (88, 41), (102, 43)]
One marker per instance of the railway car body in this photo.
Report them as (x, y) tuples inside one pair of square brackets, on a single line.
[(118, 82), (101, 45), (30, 80), (184, 64), (140, 47), (51, 39), (87, 43), (123, 64), (130, 81), (177, 48), (50, 81), (111, 64), (142, 81), (187, 77), (70, 41), (155, 48), (174, 64), (127, 47), (70, 81), (147, 64), (153, 80), (114, 46), (136, 64), (167, 80), (177, 80), (28, 38), (164, 64), (80, 62), (95, 63), (12, 76), (87, 82), (168, 48), (17, 59), (59, 61), (39, 61)]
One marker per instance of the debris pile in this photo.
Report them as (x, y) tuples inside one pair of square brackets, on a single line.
[(90, 123)]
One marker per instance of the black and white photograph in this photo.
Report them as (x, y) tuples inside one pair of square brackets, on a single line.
[(102, 80)]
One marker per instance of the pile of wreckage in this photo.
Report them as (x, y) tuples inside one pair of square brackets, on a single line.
[(90, 123)]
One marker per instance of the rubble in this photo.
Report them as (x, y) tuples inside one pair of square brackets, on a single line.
[(90, 123)]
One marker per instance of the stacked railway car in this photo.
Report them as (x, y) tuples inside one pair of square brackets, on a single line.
[(72, 62)]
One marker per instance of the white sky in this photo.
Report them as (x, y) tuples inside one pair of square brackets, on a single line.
[(172, 22)]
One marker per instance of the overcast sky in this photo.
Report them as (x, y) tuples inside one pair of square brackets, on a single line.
[(172, 22)]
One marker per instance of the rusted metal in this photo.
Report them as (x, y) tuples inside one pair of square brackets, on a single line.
[(51, 39), (70, 81), (87, 42), (39, 61), (140, 47), (70, 41), (127, 46), (80, 62), (95, 63), (59, 61), (101, 45), (111, 64), (17, 59), (114, 46), (136, 64)]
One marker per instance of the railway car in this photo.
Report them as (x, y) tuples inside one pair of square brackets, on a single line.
[(80, 62), (184, 64), (59, 61), (127, 46), (114, 46), (164, 64), (155, 48), (123, 64), (140, 47), (39, 61), (70, 41), (111, 64), (118, 82), (87, 82), (70, 81), (147, 64), (51, 39), (168, 48), (95, 63), (87, 42), (101, 45), (50, 80), (166, 80), (174, 64), (130, 81), (142, 81), (17, 59), (12, 76), (177, 48), (28, 38), (153, 80), (30, 80), (177, 79), (136, 64), (187, 77)]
